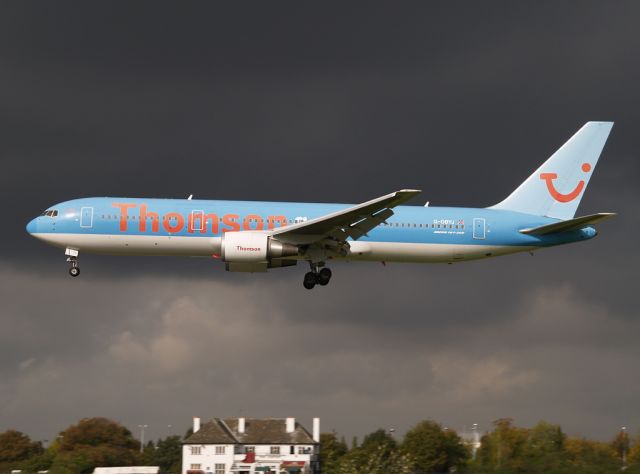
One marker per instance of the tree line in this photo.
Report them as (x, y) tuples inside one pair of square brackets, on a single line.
[(428, 447), (82, 447)]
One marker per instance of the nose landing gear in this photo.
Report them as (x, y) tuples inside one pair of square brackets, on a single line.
[(316, 277), (72, 258), (74, 271)]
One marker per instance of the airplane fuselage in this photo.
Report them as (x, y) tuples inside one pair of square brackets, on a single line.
[(181, 227)]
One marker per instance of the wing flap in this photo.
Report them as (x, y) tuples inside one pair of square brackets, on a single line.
[(568, 225)]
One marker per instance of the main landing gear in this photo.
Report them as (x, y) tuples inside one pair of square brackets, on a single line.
[(316, 276), (72, 258)]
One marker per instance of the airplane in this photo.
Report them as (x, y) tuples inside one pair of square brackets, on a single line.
[(252, 236)]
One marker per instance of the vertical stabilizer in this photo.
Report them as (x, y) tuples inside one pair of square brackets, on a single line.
[(556, 188)]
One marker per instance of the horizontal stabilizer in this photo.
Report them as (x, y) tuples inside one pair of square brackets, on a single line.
[(571, 224)]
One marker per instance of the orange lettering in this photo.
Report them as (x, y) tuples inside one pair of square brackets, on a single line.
[(124, 214), (232, 221), (247, 222), (215, 223), (166, 222), (155, 222)]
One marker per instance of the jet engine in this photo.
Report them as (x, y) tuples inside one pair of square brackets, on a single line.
[(255, 252)]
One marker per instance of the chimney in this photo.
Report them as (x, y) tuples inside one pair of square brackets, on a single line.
[(196, 424), (291, 425), (241, 425), (316, 430)]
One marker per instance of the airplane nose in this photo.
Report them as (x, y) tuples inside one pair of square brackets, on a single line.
[(32, 226)]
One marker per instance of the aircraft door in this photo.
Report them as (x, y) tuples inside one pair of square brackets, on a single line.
[(86, 217), (479, 228)]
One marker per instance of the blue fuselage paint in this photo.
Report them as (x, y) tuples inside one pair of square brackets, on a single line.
[(187, 218)]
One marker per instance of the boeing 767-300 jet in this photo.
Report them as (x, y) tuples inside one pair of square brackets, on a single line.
[(253, 236)]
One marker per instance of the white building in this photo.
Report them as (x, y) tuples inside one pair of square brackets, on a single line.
[(251, 446)]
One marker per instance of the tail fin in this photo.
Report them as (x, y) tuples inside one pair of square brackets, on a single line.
[(556, 188)]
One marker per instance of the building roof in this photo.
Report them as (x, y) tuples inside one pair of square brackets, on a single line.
[(257, 431)]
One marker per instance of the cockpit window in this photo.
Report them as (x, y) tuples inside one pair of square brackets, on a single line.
[(50, 213)]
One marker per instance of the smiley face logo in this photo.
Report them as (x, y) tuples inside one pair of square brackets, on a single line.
[(558, 196)]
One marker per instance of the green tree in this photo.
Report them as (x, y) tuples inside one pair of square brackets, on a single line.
[(377, 453), (168, 454), (501, 450), (16, 447), (434, 449), (94, 442), (331, 451), (590, 457), (71, 462), (633, 459), (97, 432), (544, 451), (621, 444), (378, 438)]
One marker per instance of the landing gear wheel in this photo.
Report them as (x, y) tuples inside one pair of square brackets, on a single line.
[(324, 276), (309, 281), (74, 271)]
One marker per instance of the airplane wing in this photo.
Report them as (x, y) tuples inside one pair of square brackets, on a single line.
[(338, 226), (571, 224)]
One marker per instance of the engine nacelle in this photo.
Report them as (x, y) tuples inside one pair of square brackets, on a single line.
[(254, 248)]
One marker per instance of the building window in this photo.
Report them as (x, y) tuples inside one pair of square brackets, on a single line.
[(304, 450), (275, 449), (249, 449), (219, 469), (220, 449), (195, 466), (196, 449)]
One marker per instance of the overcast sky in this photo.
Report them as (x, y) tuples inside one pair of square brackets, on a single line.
[(328, 102)]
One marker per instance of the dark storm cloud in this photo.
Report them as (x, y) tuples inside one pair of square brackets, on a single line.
[(319, 103)]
